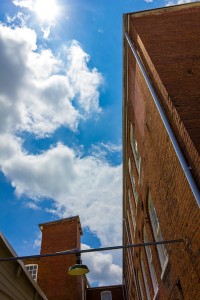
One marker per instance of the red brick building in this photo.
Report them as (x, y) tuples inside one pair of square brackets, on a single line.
[(114, 292), (51, 273), (160, 200)]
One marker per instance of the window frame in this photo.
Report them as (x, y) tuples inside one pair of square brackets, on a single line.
[(34, 276), (132, 178), (150, 263), (140, 286), (145, 280), (132, 212), (135, 151), (106, 293), (162, 252)]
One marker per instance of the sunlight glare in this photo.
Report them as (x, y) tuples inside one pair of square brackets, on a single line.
[(46, 10)]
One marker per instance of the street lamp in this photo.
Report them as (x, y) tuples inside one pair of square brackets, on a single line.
[(78, 268)]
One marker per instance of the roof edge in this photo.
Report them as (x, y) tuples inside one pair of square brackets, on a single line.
[(63, 220), (28, 275), (163, 9)]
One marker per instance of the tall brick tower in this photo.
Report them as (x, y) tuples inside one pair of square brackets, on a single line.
[(52, 272)]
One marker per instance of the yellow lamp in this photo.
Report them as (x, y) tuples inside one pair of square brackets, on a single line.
[(78, 269)]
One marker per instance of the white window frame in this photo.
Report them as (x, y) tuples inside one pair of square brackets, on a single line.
[(129, 223), (145, 277), (106, 295), (162, 252), (140, 286), (133, 182), (34, 275), (132, 213), (150, 262), (134, 147)]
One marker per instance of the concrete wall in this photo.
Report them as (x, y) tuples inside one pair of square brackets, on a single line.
[(167, 41)]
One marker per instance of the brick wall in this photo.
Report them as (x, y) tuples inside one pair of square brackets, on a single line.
[(163, 44), (95, 293), (168, 42), (52, 271)]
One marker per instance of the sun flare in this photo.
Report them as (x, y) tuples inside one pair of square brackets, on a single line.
[(46, 10)]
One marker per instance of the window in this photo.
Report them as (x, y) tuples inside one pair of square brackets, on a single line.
[(150, 262), (132, 182), (145, 277), (132, 213), (106, 295), (140, 285), (135, 150), (129, 233), (162, 252), (130, 227), (33, 269)]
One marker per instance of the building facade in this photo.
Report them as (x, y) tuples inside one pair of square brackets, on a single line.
[(51, 273), (161, 120), (114, 292)]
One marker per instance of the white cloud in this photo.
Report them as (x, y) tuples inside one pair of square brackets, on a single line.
[(86, 186), (102, 150), (39, 92), (37, 89), (20, 19), (32, 205), (24, 3), (46, 13), (37, 242), (102, 268), (177, 2), (79, 77)]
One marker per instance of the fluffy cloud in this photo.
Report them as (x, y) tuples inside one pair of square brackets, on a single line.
[(37, 90), (24, 3), (102, 269), (80, 77), (40, 92), (87, 186)]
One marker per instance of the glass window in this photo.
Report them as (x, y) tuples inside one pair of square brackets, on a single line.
[(135, 150), (33, 269), (106, 295), (140, 285), (145, 277), (162, 252), (132, 182), (150, 262), (132, 212)]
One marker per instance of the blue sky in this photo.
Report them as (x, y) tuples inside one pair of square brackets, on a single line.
[(61, 122)]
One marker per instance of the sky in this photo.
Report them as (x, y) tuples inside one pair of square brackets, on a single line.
[(61, 122)]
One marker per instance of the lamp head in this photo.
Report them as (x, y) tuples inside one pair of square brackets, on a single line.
[(78, 268)]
